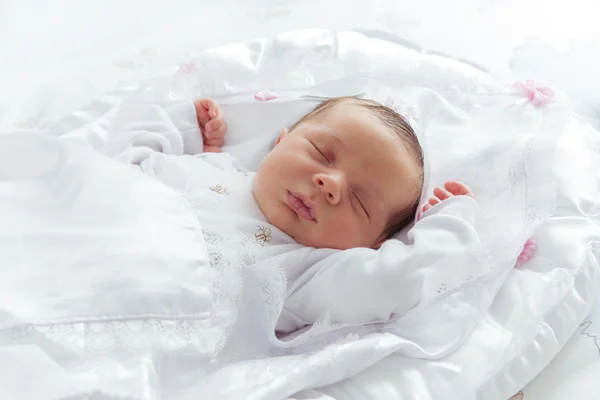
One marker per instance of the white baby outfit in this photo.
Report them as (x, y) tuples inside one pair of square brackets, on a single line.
[(354, 287)]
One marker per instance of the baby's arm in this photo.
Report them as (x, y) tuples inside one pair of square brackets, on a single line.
[(176, 128), (363, 285)]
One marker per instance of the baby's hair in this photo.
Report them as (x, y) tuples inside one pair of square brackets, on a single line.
[(394, 121)]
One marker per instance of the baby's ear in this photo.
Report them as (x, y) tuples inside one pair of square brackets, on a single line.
[(284, 133)]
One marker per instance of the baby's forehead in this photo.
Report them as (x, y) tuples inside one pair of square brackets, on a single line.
[(350, 118), (346, 106), (349, 113), (378, 144)]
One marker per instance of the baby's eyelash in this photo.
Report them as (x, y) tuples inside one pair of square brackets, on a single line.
[(361, 204), (320, 152)]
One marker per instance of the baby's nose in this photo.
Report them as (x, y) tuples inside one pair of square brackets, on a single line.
[(331, 186)]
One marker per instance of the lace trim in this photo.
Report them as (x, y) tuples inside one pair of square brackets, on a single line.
[(131, 336)]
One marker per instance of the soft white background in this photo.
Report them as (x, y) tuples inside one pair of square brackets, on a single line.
[(555, 41)]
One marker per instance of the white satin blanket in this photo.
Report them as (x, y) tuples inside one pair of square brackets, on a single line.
[(106, 285)]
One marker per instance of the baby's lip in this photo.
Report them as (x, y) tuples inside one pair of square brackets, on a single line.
[(302, 206)]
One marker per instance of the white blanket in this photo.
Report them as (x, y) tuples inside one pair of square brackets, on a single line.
[(144, 295)]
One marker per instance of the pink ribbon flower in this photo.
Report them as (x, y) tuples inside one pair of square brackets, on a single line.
[(187, 68), (538, 95), (527, 253), (265, 96)]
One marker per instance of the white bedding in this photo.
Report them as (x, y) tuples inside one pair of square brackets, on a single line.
[(526, 334), (573, 374)]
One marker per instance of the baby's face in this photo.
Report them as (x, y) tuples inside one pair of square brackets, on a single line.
[(337, 181)]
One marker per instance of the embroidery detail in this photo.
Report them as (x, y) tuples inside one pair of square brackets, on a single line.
[(263, 235), (220, 189), (586, 325), (242, 171)]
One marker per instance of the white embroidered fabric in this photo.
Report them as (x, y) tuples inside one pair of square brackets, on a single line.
[(207, 330)]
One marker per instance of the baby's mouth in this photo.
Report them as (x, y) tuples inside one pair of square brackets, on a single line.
[(302, 206)]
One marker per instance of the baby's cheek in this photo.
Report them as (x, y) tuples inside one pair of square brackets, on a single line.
[(345, 232)]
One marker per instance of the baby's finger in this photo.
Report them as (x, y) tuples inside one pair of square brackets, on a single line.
[(433, 201), (426, 207), (201, 113), (211, 106), (218, 142), (216, 128), (211, 149), (214, 124), (458, 188), (442, 194)]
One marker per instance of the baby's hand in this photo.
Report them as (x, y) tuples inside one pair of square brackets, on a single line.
[(212, 125), (451, 189)]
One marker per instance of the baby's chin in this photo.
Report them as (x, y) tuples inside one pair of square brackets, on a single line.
[(311, 239)]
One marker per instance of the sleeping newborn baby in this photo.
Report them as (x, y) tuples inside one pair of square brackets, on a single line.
[(350, 175), (328, 199)]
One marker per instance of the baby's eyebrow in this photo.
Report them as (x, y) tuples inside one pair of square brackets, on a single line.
[(336, 138)]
